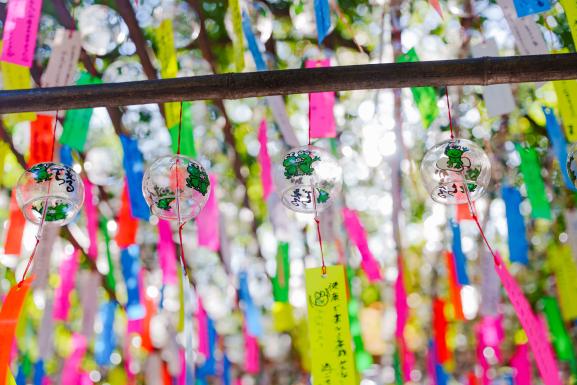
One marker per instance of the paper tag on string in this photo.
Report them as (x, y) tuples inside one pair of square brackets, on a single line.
[(166, 253), (9, 315), (565, 270), (264, 161), (358, 236), (531, 170), (566, 91), (64, 54), (77, 121), (322, 18), (528, 37), (538, 340), (15, 231), (531, 7), (134, 169), (425, 97), (20, 30), (278, 110), (329, 329), (498, 98), (321, 115), (208, 220), (490, 287), (41, 137), (517, 237), (130, 263), (237, 40)]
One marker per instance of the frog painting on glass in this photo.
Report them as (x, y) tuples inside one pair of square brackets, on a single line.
[(456, 171)]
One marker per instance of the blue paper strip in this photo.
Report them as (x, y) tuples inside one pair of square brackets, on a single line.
[(559, 145), (460, 258), (66, 155), (252, 313), (323, 18), (441, 376), (530, 7), (252, 43), (39, 372), (517, 238), (134, 169), (130, 263), (20, 377), (226, 377), (208, 368), (106, 340)]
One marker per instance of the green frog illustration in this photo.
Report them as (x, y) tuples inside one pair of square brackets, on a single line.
[(297, 164), (164, 203), (55, 213), (323, 196), (197, 178), (473, 173), (41, 173), (471, 187), (455, 153)]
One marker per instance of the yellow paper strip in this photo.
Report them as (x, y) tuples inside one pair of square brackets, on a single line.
[(565, 271), (567, 103), (329, 333), (238, 39), (570, 7), (166, 53), (15, 77)]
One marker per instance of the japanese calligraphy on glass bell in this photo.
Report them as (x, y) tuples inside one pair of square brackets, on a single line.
[(51, 191), (455, 169), (176, 188), (311, 179)]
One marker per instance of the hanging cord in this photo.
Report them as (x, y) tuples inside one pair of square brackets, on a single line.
[(317, 220), (449, 110), (45, 207), (180, 223)]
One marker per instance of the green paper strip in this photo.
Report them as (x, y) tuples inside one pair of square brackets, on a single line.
[(76, 122), (425, 97), (363, 360), (531, 170), (561, 340), (187, 146), (110, 275), (280, 282)]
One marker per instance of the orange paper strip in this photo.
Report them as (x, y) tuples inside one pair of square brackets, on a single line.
[(16, 223)]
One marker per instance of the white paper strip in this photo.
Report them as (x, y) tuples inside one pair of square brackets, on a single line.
[(278, 109), (63, 61), (571, 228), (90, 282), (490, 286), (528, 37), (46, 332), (41, 266)]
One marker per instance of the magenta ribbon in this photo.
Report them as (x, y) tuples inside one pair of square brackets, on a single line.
[(208, 231), (71, 370), (264, 161), (91, 220), (321, 104), (358, 236), (166, 253), (67, 272)]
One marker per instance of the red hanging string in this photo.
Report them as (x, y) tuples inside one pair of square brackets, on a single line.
[(180, 224), (449, 110), (41, 226), (318, 221)]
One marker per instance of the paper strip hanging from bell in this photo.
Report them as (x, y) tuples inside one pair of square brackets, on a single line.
[(166, 253), (321, 104), (208, 220), (558, 333), (528, 37), (460, 258), (134, 169), (77, 122), (559, 145), (565, 271), (68, 269), (9, 315), (71, 371), (323, 19), (41, 136), (425, 97), (20, 30), (237, 40), (530, 7), (166, 53), (534, 330), (106, 339), (252, 313), (329, 328), (358, 236), (264, 161), (516, 238), (62, 64), (130, 262), (531, 170), (498, 98), (42, 259), (187, 146)]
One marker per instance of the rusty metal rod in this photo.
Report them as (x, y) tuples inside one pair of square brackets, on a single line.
[(478, 71)]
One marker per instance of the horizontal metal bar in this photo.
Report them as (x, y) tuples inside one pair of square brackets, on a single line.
[(478, 71)]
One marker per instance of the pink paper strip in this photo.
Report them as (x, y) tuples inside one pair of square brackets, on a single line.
[(401, 304), (538, 341), (202, 329), (207, 220), (67, 273), (321, 115), (431, 365), (492, 333), (264, 161), (85, 379), (182, 374), (91, 220), (70, 372), (520, 362), (408, 362), (166, 253), (251, 353), (20, 31), (357, 234)]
